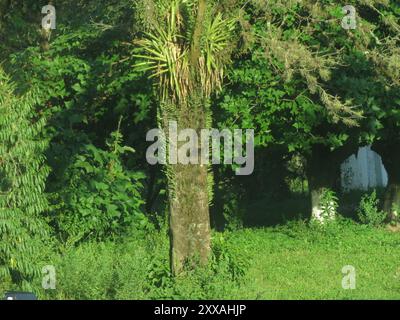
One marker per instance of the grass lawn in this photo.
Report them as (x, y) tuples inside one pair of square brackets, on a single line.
[(294, 262)]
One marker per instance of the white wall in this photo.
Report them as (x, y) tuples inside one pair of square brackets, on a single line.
[(363, 171)]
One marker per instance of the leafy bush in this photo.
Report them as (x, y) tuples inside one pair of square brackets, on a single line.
[(234, 259), (232, 212), (222, 277), (98, 197), (368, 211), (22, 182), (85, 272)]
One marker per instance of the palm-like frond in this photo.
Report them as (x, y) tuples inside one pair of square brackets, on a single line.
[(165, 55), (218, 35), (164, 52)]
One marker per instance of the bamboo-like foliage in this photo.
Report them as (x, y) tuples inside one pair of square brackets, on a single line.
[(22, 182)]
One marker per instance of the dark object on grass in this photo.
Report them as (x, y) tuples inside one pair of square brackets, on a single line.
[(19, 296)]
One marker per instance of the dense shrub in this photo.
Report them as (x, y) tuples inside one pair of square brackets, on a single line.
[(98, 197), (23, 174), (368, 211)]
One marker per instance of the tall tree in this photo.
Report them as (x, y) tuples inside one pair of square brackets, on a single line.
[(385, 114), (186, 48), (289, 85)]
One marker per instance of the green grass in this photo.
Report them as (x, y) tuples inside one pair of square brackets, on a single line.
[(294, 261)]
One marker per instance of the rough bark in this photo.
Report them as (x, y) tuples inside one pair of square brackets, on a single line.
[(188, 196), (189, 217), (390, 153), (391, 203)]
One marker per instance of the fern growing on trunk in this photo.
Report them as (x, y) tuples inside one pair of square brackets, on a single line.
[(22, 183)]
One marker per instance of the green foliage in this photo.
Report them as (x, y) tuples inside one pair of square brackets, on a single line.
[(329, 204), (167, 48), (22, 182), (368, 211), (228, 210), (307, 83), (233, 213), (299, 79), (235, 259), (97, 197)]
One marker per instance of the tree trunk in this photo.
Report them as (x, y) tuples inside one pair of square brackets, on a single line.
[(188, 184), (391, 203), (323, 172), (390, 153), (189, 196), (189, 216)]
